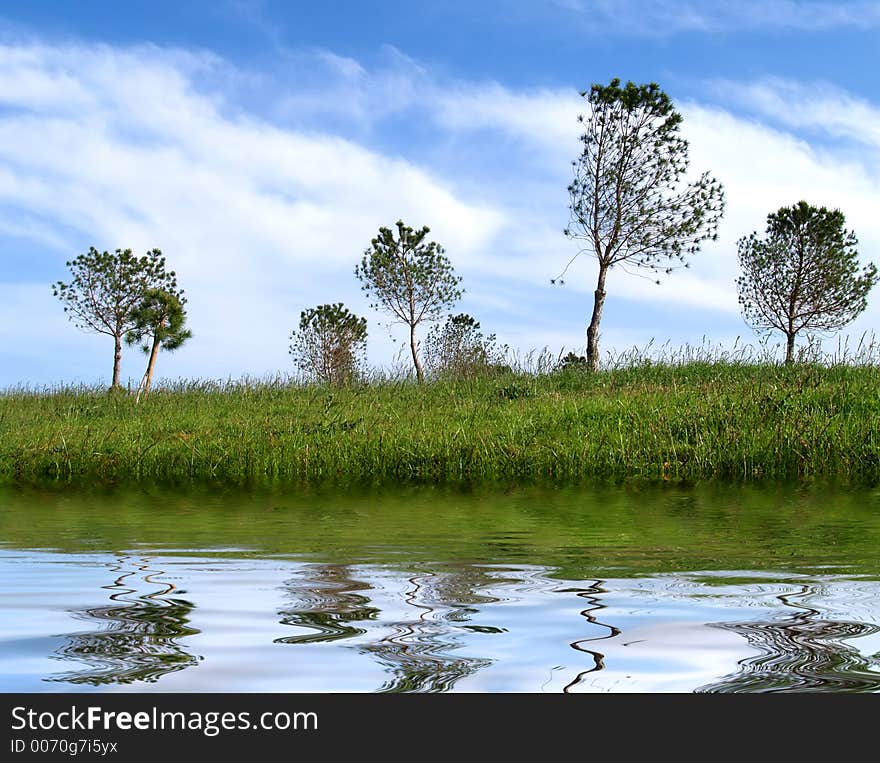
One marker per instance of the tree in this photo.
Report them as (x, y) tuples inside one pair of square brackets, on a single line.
[(459, 349), (159, 322), (627, 199), (330, 343), (106, 287), (572, 362), (804, 275), (409, 278)]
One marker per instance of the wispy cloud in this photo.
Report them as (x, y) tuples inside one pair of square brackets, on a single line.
[(326, 86), (817, 106), (665, 17), (119, 148), (263, 216)]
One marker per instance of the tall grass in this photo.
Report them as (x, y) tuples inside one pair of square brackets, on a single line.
[(695, 413)]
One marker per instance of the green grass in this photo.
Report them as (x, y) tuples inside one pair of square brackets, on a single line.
[(720, 420)]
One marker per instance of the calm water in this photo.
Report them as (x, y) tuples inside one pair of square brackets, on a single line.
[(427, 590)]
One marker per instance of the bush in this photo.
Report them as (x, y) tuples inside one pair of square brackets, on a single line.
[(330, 344), (572, 362), (459, 350)]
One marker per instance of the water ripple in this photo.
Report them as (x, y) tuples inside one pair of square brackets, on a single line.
[(136, 638), (283, 624), (803, 653)]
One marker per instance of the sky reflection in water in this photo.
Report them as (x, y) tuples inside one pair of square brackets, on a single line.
[(427, 589), (176, 622)]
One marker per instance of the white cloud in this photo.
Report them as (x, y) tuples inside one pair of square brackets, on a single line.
[(334, 87), (542, 117), (663, 17), (763, 166), (818, 107), (129, 147), (259, 222)]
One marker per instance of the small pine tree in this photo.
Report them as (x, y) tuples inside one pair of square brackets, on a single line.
[(160, 323), (628, 203), (105, 288), (803, 275), (330, 344), (410, 278)]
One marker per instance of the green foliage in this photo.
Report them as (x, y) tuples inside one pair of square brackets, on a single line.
[(330, 344), (573, 362), (458, 349), (514, 390), (106, 287), (160, 319), (159, 322), (628, 201), (804, 275), (409, 278)]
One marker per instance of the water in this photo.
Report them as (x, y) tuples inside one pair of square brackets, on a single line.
[(531, 589)]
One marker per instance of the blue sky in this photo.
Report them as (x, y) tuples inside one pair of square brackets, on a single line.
[(260, 145)]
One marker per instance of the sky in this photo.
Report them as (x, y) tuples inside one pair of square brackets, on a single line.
[(261, 144)]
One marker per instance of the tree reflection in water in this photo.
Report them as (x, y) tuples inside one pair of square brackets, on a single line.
[(136, 638), (327, 601), (330, 603), (591, 596), (417, 652), (802, 654)]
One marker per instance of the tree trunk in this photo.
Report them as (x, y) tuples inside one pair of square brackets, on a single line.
[(420, 375), (151, 365), (117, 361), (593, 328), (789, 349), (147, 380)]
